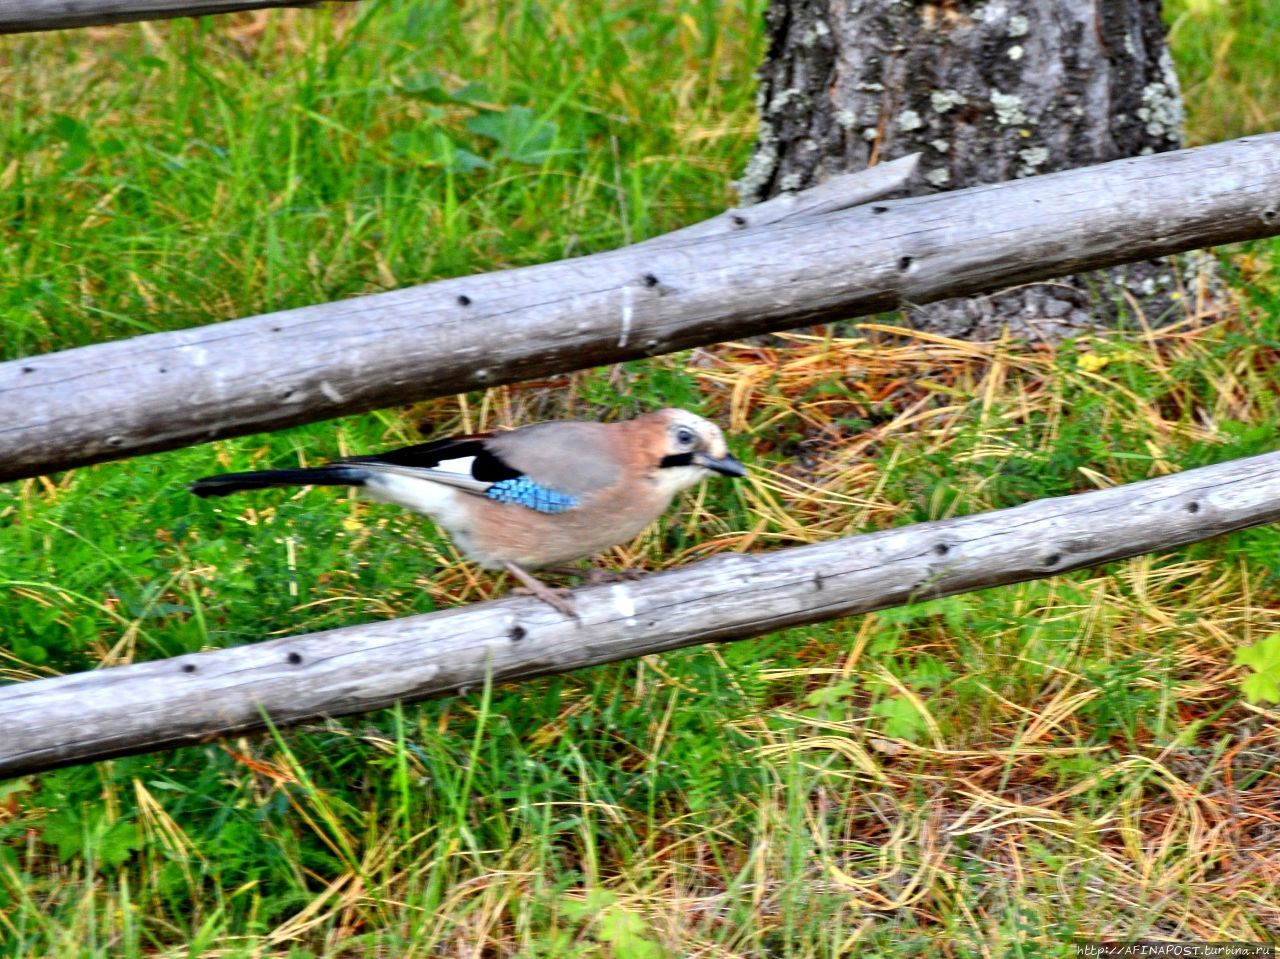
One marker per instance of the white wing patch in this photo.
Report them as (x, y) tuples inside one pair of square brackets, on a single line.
[(461, 465)]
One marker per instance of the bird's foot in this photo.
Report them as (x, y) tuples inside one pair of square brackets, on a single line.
[(598, 577), (557, 599)]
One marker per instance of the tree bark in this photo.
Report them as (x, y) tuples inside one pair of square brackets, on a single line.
[(985, 91)]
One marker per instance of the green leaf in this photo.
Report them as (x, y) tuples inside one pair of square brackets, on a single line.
[(69, 129), (435, 148), (473, 93), (1258, 688), (76, 136), (31, 653), (65, 831), (625, 931), (1263, 657), (117, 843), (520, 133), (425, 86), (831, 695), (901, 719), (87, 835), (464, 161), (929, 672), (580, 909), (949, 607)]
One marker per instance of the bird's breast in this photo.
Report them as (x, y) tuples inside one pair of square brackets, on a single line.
[(501, 532)]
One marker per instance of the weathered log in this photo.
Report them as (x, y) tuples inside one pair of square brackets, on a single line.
[(29, 16), (841, 192), (189, 699), (166, 390)]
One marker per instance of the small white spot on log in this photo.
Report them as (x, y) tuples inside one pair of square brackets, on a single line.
[(331, 392), (1015, 53), (627, 309), (199, 355), (1018, 25), (623, 603)]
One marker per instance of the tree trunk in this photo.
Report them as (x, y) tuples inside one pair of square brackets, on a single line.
[(986, 92)]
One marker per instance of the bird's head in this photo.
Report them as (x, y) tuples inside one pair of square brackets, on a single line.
[(685, 448)]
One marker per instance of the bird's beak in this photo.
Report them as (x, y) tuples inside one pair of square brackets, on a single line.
[(723, 464)]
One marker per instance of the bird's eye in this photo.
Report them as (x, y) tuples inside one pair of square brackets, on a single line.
[(685, 436)]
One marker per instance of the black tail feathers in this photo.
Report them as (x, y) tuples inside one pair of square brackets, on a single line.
[(228, 483)]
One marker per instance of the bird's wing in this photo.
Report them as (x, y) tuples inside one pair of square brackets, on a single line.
[(459, 461), (457, 454), (572, 457), (506, 473)]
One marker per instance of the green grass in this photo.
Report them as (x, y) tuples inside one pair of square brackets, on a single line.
[(174, 174), (1226, 57), (986, 775)]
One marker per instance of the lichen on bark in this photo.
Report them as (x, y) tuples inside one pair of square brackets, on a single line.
[(985, 91)]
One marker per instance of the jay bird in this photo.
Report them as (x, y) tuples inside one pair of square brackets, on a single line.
[(532, 497)]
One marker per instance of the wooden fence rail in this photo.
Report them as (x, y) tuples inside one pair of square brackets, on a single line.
[(188, 699), (166, 390), (30, 16)]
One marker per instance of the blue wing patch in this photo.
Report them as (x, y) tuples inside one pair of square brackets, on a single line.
[(523, 491)]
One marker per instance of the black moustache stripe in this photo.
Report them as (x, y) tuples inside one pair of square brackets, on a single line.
[(677, 459)]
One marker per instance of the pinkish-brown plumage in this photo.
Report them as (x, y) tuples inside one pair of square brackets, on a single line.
[(503, 533), (581, 487)]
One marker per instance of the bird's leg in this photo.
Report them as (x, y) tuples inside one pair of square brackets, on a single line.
[(555, 598), (595, 577)]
